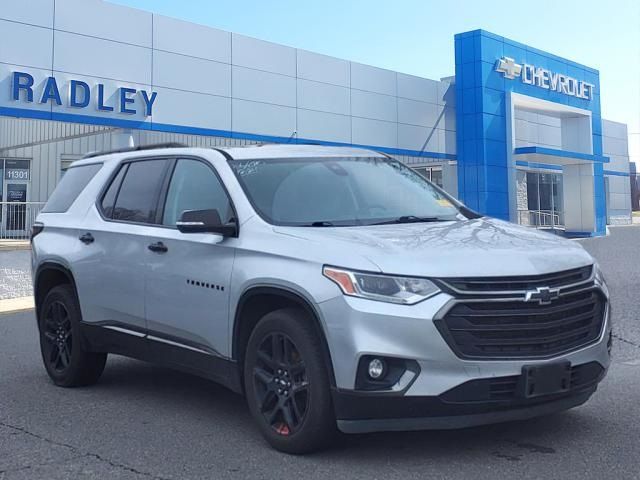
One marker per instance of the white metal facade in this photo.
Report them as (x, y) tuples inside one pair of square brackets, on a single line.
[(211, 79), (221, 88)]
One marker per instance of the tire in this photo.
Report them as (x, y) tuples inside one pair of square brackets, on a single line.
[(289, 394), (65, 359)]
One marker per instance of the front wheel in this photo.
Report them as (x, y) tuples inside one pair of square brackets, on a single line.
[(287, 383)]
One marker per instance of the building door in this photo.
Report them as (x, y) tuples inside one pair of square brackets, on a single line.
[(544, 200), (14, 197), (16, 219)]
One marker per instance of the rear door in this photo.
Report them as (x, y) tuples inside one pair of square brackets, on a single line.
[(187, 287), (111, 273)]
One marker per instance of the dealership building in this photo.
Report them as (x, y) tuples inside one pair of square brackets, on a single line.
[(515, 132)]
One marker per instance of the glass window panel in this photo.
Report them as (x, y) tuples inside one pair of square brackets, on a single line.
[(194, 186), (70, 187), (137, 199)]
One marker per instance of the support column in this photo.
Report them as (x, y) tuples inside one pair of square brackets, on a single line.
[(579, 198)]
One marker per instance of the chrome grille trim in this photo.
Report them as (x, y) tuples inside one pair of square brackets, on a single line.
[(448, 284), (591, 285)]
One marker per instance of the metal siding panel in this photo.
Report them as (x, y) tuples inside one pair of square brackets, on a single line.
[(45, 153), (105, 20), (38, 172), (26, 45), (80, 145), (38, 12), (36, 168), (50, 177), (84, 145)]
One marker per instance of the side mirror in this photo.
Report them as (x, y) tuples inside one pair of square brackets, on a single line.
[(205, 221)]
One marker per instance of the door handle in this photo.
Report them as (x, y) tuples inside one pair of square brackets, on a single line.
[(87, 238), (158, 247)]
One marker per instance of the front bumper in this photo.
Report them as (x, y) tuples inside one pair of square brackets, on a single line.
[(362, 415), (476, 402), (439, 395)]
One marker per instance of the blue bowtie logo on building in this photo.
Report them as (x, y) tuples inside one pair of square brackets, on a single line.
[(509, 68)]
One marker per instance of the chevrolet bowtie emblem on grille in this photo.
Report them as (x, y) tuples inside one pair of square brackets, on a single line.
[(542, 295), (509, 68)]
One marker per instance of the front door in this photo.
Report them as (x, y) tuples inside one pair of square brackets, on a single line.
[(187, 285)]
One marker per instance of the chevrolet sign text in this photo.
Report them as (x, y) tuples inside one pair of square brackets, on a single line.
[(543, 78)]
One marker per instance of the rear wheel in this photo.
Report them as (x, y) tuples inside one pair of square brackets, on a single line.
[(64, 357), (287, 383)]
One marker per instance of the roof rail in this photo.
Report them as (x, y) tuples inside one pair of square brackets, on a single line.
[(137, 149), (248, 145)]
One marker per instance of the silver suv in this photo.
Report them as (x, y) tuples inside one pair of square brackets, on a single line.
[(335, 288)]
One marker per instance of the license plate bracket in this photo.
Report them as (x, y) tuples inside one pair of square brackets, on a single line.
[(545, 379)]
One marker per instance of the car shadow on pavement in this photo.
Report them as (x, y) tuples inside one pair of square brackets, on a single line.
[(170, 388), (202, 405)]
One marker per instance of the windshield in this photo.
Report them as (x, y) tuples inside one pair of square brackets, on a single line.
[(324, 192)]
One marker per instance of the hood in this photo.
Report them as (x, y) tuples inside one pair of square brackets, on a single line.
[(470, 248)]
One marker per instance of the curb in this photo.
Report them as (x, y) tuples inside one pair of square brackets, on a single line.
[(16, 305), (7, 246)]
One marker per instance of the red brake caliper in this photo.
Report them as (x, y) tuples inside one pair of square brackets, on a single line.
[(283, 429)]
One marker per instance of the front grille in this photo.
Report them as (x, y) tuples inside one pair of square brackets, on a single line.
[(518, 329), (522, 283), (505, 389)]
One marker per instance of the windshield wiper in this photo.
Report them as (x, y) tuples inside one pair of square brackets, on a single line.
[(410, 219), (318, 224), (402, 219)]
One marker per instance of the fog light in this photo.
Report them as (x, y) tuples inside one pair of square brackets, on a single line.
[(376, 368), (377, 373)]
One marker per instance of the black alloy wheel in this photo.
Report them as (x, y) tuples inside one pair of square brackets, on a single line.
[(66, 357), (58, 337), (287, 382), (281, 384)]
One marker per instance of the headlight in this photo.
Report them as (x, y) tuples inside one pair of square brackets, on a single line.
[(384, 288), (598, 274)]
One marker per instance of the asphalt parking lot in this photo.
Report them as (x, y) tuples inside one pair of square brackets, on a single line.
[(15, 274), (144, 422)]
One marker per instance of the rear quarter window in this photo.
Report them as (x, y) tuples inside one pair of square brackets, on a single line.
[(72, 184)]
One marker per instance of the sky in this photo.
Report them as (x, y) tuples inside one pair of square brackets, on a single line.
[(416, 36)]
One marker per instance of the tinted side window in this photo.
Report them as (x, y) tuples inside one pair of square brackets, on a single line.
[(70, 187), (137, 199), (109, 199), (195, 186)]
